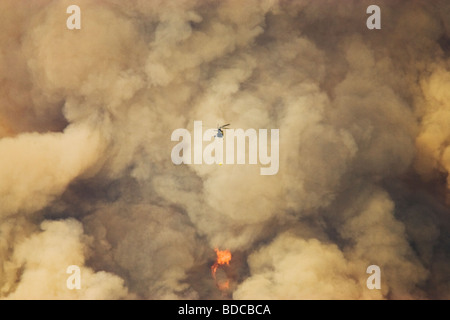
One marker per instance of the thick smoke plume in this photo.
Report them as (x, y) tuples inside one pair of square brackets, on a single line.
[(86, 176)]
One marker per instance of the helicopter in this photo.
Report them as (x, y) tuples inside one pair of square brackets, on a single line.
[(220, 130)]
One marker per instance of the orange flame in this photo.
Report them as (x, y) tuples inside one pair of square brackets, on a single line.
[(223, 257)]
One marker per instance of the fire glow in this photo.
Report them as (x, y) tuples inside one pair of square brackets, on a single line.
[(223, 258)]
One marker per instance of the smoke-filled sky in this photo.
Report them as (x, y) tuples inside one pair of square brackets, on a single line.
[(86, 176)]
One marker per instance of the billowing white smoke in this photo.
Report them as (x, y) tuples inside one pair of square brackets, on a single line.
[(86, 176)]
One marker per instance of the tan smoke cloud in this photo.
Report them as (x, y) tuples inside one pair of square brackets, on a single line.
[(86, 177), (44, 276), (36, 168), (433, 141), (289, 267)]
